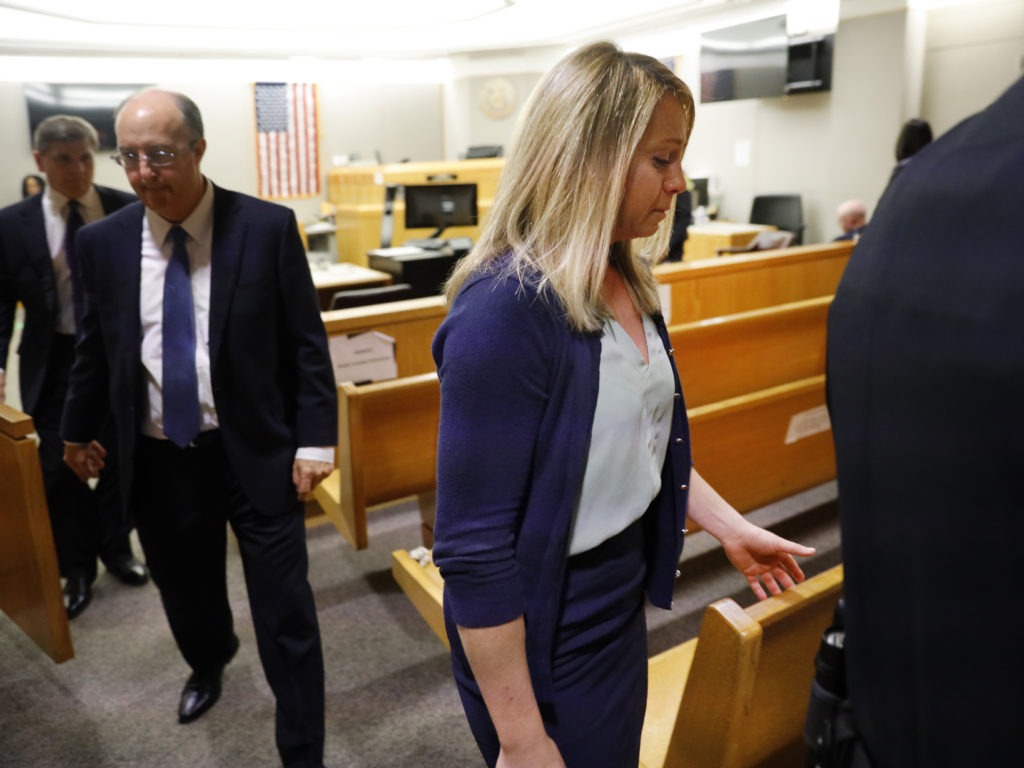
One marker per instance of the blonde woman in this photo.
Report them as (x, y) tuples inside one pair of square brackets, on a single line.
[(564, 472)]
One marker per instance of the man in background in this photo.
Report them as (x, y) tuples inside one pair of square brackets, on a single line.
[(926, 396), (853, 219), (203, 330), (36, 265)]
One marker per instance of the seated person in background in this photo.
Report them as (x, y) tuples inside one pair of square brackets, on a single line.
[(853, 218), (32, 184)]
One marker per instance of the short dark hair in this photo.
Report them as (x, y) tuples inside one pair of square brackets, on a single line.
[(914, 135), (190, 114), (63, 128)]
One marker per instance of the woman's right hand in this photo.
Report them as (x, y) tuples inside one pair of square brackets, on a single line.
[(541, 753)]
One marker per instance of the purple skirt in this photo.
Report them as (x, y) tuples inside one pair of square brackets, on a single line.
[(599, 665)]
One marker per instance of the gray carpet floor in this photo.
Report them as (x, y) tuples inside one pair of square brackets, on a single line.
[(390, 700)]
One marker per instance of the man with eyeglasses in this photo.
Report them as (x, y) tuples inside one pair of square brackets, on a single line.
[(36, 268), (202, 328)]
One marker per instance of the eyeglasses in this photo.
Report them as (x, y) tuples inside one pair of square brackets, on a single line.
[(156, 158)]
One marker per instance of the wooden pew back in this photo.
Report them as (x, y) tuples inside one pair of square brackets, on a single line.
[(731, 284), (745, 681), (412, 323), (30, 591), (387, 449), (723, 357), (764, 446), (753, 441), (698, 290), (752, 449)]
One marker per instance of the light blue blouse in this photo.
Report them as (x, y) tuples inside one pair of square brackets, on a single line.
[(630, 437)]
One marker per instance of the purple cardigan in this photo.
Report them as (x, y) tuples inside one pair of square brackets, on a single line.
[(518, 394)]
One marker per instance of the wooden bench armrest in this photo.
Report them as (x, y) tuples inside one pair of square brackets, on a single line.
[(424, 587)]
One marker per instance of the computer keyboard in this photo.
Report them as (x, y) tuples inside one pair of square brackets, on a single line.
[(428, 243)]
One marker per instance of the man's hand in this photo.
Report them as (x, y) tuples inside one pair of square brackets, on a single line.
[(306, 474), (85, 461)]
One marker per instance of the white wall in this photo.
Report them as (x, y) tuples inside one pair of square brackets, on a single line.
[(973, 55), (889, 62), (358, 118)]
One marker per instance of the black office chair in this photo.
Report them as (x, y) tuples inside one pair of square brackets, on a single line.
[(360, 297), (783, 211)]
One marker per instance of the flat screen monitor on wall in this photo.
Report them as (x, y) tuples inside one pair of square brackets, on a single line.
[(440, 206), (746, 61), (95, 103)]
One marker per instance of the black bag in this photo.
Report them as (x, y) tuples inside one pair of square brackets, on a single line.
[(829, 730)]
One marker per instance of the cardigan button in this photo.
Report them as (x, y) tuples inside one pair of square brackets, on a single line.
[(678, 574), (684, 531), (679, 440), (683, 487), (677, 395)]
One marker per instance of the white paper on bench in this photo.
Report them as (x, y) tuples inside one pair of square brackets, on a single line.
[(362, 357), (808, 423)]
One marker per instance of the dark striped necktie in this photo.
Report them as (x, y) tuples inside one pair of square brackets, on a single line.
[(73, 224)]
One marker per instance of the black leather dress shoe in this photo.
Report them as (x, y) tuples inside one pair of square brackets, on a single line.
[(77, 595), (129, 571), (201, 691)]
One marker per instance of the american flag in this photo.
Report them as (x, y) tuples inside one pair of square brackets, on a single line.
[(288, 150)]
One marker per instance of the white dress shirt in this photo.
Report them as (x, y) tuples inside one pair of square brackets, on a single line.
[(156, 253)]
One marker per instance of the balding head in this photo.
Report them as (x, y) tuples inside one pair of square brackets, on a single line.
[(160, 139), (852, 214)]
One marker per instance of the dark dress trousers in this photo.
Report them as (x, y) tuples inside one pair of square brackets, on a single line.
[(85, 523), (274, 391), (926, 389)]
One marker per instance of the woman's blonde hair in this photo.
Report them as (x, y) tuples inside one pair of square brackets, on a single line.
[(564, 180)]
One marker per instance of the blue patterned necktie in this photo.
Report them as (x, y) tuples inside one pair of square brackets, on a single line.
[(180, 384), (73, 224)]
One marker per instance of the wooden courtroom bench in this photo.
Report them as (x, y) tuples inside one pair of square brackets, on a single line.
[(723, 357), (698, 290), (746, 447), (387, 450), (764, 446), (730, 284), (30, 589), (412, 323), (755, 449), (749, 352), (736, 695)]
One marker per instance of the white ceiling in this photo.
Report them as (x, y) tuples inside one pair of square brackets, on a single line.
[(333, 29)]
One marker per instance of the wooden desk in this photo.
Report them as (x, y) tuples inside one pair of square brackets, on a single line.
[(703, 240), (339, 276), (357, 194)]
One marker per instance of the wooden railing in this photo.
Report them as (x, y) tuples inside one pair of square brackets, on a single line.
[(30, 591), (724, 286)]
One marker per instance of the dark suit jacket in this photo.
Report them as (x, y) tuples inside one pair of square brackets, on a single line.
[(273, 383), (26, 275), (926, 388)]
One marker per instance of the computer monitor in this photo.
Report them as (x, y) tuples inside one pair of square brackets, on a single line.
[(440, 206), (484, 150)]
